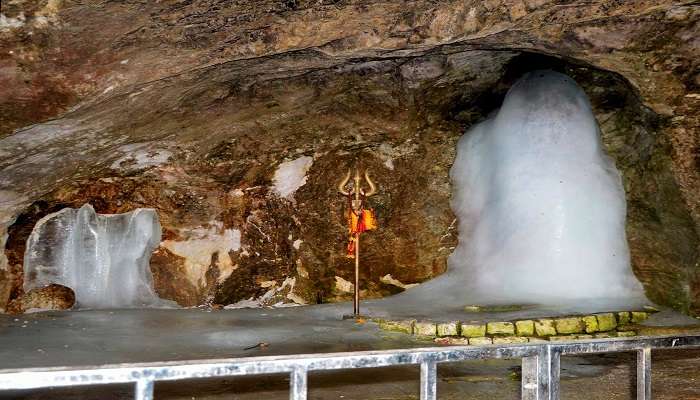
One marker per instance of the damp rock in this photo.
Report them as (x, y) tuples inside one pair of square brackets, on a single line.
[(51, 297)]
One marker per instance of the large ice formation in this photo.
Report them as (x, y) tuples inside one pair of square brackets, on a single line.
[(541, 208), (103, 258)]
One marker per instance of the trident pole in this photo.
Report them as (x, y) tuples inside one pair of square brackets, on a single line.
[(356, 206), (356, 300)]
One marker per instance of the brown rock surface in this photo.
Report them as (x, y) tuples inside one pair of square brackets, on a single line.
[(191, 107), (51, 297)]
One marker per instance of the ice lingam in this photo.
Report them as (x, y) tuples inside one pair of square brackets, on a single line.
[(103, 258), (541, 210)]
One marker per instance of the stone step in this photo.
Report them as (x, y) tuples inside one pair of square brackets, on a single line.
[(585, 326)]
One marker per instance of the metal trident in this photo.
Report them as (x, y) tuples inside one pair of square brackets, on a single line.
[(357, 192)]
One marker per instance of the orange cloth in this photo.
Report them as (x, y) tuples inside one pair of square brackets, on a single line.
[(351, 248), (358, 223), (362, 222), (369, 219)]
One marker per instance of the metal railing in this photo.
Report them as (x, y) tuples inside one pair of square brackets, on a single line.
[(540, 366)]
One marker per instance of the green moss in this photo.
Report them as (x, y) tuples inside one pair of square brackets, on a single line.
[(590, 323), (566, 326), (498, 307), (639, 316), (473, 330), (397, 326), (500, 328), (545, 327), (525, 328), (623, 318), (606, 321)]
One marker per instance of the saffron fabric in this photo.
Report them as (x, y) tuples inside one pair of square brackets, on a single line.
[(359, 222)]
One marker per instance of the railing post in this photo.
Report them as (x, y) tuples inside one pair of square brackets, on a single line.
[(144, 389), (644, 374), (298, 384), (548, 366), (428, 380), (529, 384)]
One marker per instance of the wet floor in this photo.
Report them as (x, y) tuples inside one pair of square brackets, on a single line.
[(101, 337), (121, 336)]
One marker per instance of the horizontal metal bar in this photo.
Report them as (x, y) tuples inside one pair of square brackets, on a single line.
[(168, 371), (626, 344)]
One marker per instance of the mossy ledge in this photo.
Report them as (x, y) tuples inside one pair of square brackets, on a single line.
[(578, 327)]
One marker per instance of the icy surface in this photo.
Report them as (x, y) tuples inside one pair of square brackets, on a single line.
[(541, 210), (103, 258), (93, 337), (291, 175)]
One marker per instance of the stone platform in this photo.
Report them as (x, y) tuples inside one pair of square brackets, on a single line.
[(522, 329)]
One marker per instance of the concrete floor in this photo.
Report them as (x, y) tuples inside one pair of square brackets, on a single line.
[(99, 337)]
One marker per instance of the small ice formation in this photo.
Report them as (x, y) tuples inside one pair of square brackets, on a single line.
[(200, 245), (541, 208), (291, 175), (103, 258)]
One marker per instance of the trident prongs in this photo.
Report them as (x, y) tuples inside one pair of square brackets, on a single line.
[(372, 187), (341, 186), (357, 179)]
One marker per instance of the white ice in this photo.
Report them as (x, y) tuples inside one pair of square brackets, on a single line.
[(291, 175), (541, 209), (103, 258)]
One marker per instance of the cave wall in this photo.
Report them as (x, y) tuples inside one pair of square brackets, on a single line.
[(191, 107)]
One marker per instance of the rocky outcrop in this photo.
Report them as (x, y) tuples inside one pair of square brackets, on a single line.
[(50, 297), (191, 108)]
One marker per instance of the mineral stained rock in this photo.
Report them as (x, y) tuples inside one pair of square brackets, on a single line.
[(104, 259), (50, 297), (201, 109)]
